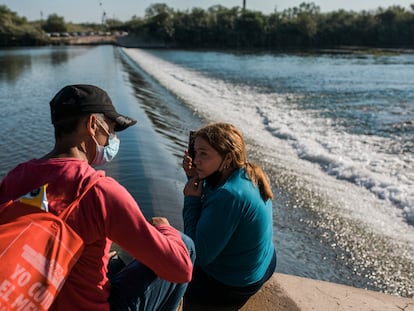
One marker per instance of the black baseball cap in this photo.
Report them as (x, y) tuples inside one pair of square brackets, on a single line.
[(81, 99)]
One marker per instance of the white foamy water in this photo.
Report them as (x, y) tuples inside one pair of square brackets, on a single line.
[(356, 172)]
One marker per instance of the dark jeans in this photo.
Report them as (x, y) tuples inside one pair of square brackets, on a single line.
[(205, 290), (135, 287)]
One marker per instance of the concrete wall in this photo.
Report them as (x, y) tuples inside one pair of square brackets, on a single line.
[(291, 293)]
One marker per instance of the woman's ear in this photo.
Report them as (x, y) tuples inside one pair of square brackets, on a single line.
[(228, 159)]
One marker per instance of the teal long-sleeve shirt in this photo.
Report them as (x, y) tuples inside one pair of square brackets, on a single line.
[(232, 230)]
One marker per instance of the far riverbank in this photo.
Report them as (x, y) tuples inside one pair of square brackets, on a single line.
[(134, 41)]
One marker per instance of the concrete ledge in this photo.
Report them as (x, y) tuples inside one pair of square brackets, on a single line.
[(272, 296), (286, 292), (291, 293)]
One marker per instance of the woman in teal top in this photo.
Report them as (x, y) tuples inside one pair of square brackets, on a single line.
[(228, 214)]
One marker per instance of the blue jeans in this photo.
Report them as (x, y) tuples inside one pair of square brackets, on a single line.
[(136, 287)]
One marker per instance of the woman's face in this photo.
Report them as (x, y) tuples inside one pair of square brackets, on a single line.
[(207, 159)]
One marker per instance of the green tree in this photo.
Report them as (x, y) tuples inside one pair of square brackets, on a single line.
[(193, 28), (160, 21), (114, 23), (223, 25), (307, 22), (250, 28), (9, 17), (390, 28), (272, 30), (15, 30), (135, 25), (54, 23), (364, 31), (336, 28)]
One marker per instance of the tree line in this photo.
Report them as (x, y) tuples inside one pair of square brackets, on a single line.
[(18, 31), (221, 27)]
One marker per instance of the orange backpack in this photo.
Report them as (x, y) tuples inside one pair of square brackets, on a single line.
[(37, 251)]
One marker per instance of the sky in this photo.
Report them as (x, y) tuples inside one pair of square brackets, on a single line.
[(91, 11)]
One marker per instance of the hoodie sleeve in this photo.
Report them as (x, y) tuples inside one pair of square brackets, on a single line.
[(160, 248)]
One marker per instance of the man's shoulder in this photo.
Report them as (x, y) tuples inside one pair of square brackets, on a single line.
[(109, 187)]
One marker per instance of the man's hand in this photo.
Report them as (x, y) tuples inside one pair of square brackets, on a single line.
[(155, 221)]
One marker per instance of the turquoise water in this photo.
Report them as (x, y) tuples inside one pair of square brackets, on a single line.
[(334, 133)]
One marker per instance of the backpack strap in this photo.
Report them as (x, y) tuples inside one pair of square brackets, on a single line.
[(65, 214)]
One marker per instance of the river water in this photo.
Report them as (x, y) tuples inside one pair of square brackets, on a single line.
[(334, 132)]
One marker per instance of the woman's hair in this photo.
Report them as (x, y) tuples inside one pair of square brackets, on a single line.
[(226, 138)]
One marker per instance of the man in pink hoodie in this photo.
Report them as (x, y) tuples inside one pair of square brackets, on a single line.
[(85, 123)]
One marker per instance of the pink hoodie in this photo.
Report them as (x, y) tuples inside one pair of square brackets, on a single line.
[(107, 213)]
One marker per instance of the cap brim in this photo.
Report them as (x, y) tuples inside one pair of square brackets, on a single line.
[(121, 122)]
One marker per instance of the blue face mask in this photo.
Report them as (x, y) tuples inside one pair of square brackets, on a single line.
[(106, 153)]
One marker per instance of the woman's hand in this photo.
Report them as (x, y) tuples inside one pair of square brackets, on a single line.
[(189, 168), (193, 187)]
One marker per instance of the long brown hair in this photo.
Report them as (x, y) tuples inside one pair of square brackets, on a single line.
[(226, 138)]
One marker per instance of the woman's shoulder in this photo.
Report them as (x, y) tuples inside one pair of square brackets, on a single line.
[(238, 179), (241, 187)]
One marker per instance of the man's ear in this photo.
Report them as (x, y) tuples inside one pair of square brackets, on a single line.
[(91, 124)]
